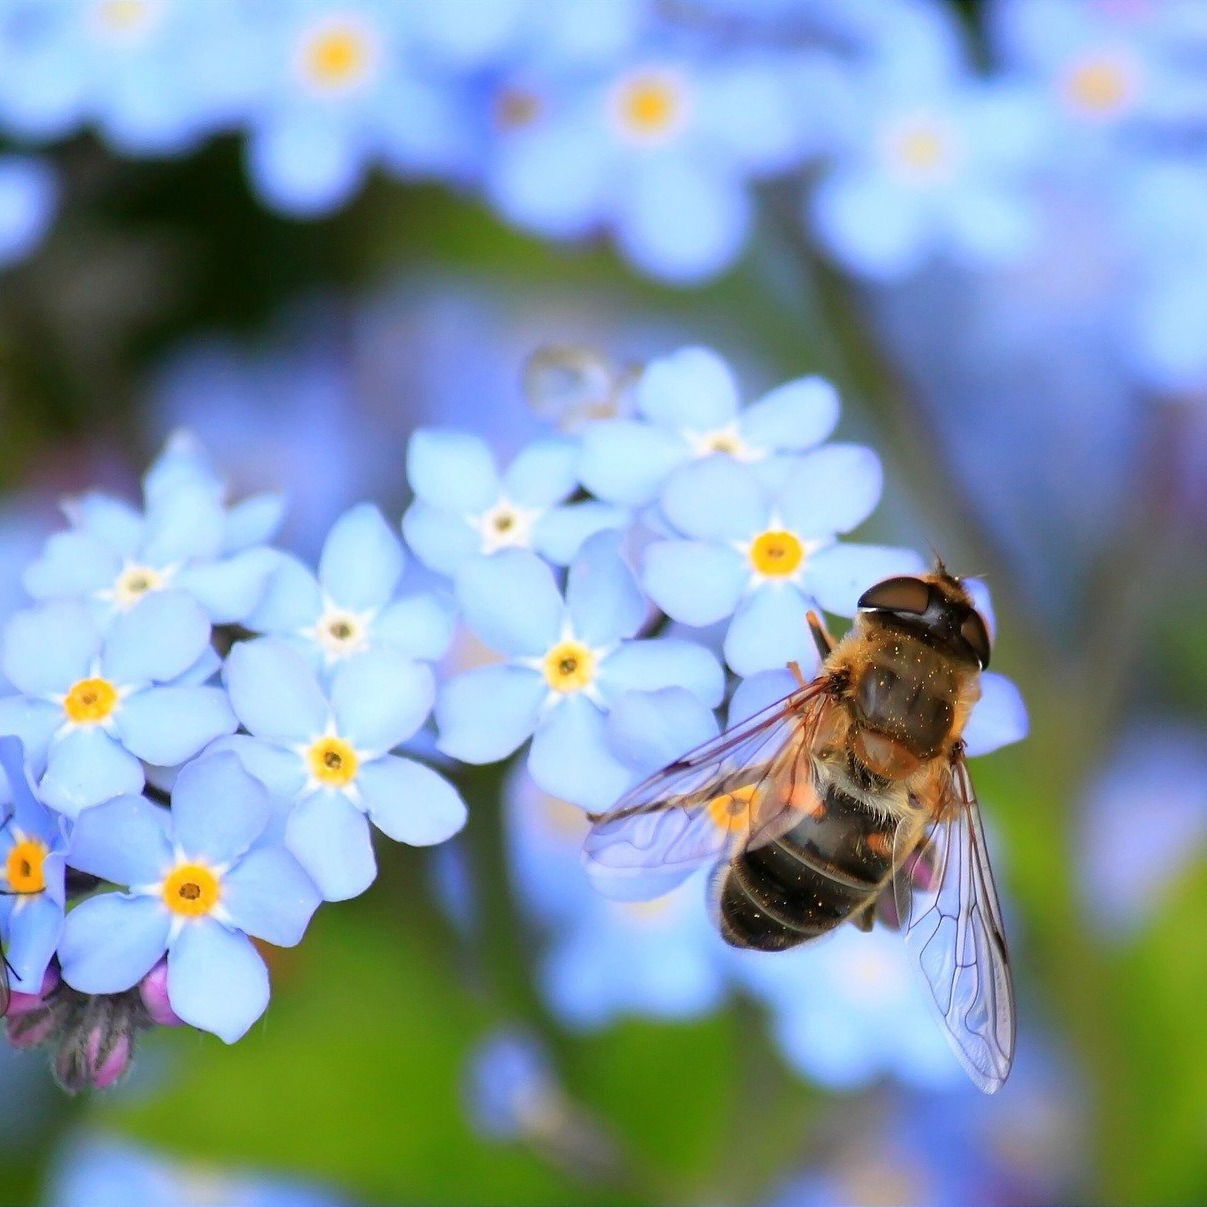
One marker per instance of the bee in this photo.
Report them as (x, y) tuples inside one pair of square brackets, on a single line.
[(847, 801)]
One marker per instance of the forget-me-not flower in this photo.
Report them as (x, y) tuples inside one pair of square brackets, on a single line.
[(329, 753), (95, 702), (186, 538), (568, 660), (202, 881), (688, 407), (464, 506), (764, 558), (350, 606), (32, 893)]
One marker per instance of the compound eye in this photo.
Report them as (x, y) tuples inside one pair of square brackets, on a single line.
[(904, 594), (974, 632)]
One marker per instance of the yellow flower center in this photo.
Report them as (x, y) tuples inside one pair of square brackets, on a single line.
[(921, 149), (650, 105), (1098, 86), (90, 701), (122, 16), (333, 762), (337, 57), (645, 912), (506, 525), (569, 666), (341, 633), (134, 582), (26, 873), (777, 554), (731, 810), (191, 890)]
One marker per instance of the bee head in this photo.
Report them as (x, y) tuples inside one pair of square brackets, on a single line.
[(934, 607)]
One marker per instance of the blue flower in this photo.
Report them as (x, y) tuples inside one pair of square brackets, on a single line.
[(931, 166), (186, 539), (95, 1169), (765, 558), (567, 662), (510, 1089), (329, 755), (201, 880), (661, 148), (32, 846), (97, 702), (1144, 821), (29, 195), (339, 95), (464, 507), (349, 607), (848, 1010), (688, 402), (604, 959)]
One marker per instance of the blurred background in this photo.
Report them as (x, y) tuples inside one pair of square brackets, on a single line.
[(304, 227)]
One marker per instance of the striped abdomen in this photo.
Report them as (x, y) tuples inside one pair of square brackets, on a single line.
[(825, 869)]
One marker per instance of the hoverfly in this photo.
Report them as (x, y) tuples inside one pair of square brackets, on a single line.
[(848, 800)]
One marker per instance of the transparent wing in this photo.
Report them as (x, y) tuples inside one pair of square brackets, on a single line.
[(948, 909), (743, 787)]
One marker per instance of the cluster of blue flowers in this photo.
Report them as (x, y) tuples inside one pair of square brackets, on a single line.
[(655, 123), (206, 725)]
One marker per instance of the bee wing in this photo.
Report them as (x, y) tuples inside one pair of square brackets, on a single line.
[(5, 994), (948, 909), (741, 788)]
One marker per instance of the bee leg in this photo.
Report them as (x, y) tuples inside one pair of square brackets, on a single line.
[(864, 918), (821, 638), (794, 667)]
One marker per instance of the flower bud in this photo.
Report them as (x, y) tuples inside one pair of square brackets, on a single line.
[(153, 990)]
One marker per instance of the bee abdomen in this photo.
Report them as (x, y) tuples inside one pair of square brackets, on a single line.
[(809, 880)]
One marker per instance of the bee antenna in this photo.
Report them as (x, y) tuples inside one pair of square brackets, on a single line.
[(940, 565)]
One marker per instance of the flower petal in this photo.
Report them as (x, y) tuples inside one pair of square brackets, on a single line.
[(269, 896), (125, 841), (112, 941), (511, 601), (543, 473), (216, 979), (108, 519), (663, 662), (282, 771), (380, 698), (831, 490), (85, 767), (625, 461), (329, 837), (839, 574), (796, 415), (291, 599), (183, 523), (72, 563), (253, 520), (156, 640), (602, 596), (559, 534), (230, 590), (998, 718), (32, 940), (218, 808), (440, 539), (648, 730), (696, 582), (166, 725), (484, 714), (715, 498), (274, 691), (46, 649), (34, 722), (362, 559), (410, 802), (691, 389), (452, 470), (768, 631), (418, 626), (571, 758)]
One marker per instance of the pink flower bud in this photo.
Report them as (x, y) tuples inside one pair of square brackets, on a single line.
[(153, 989)]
